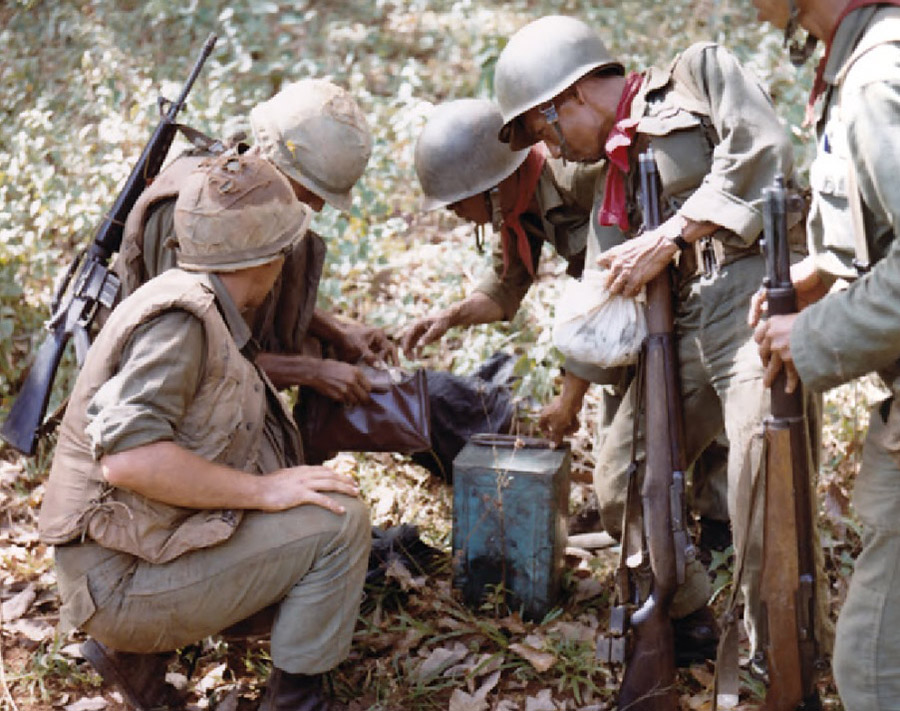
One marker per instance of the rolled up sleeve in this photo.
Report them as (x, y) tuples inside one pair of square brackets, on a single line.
[(753, 146), (157, 377)]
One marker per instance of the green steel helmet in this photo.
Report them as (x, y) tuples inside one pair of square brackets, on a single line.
[(316, 134), (236, 212), (541, 60), (458, 154)]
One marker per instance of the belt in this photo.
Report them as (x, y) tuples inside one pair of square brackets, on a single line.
[(709, 254)]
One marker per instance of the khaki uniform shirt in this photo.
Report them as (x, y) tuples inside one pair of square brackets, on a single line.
[(717, 143), (169, 352), (697, 114), (564, 196), (856, 331)]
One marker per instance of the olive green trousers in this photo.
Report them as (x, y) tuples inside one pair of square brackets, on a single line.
[(721, 379), (307, 562), (867, 647)]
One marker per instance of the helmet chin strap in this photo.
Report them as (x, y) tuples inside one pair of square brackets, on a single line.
[(492, 197), (798, 52)]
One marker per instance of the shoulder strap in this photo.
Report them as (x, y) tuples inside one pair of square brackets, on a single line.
[(680, 71), (885, 29)]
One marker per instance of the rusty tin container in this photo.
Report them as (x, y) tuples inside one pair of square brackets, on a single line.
[(510, 509)]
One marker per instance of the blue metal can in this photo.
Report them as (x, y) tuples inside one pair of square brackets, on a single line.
[(510, 508)]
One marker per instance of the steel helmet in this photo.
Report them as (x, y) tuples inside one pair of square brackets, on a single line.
[(458, 154), (541, 60), (236, 212), (316, 134)]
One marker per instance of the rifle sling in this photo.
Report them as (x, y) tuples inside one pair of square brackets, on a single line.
[(632, 518), (200, 140), (727, 681)]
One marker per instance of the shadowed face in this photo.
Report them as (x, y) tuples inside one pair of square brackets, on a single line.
[(775, 12), (584, 124), (264, 278), (473, 208), (307, 196)]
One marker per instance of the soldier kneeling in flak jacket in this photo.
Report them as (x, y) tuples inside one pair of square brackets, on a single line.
[(172, 502)]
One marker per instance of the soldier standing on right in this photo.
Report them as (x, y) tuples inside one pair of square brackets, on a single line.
[(718, 144), (856, 209)]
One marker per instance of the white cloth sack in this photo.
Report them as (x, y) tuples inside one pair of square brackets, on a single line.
[(593, 327)]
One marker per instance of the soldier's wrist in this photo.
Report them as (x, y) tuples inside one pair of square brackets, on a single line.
[(675, 234)]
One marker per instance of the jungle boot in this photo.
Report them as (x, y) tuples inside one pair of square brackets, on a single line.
[(297, 692), (696, 637), (140, 678)]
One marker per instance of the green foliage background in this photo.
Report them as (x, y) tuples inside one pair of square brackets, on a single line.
[(79, 81)]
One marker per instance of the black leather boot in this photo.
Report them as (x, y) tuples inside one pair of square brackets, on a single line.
[(297, 692), (141, 678), (696, 637)]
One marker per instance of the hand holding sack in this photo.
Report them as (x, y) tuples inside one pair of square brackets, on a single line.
[(593, 327), (396, 419)]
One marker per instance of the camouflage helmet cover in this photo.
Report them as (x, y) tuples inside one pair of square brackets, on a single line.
[(236, 212), (458, 154), (541, 60), (316, 134)]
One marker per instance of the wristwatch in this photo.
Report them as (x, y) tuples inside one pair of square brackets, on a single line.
[(680, 242), (679, 239)]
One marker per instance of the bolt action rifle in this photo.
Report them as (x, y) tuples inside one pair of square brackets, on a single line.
[(88, 282), (788, 584), (641, 630)]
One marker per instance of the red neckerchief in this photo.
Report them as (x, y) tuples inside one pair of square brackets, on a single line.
[(819, 82), (614, 209), (529, 174)]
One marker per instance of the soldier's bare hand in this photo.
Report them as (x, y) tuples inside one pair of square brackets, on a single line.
[(367, 343), (758, 305), (298, 486), (423, 332), (635, 262), (341, 381), (773, 337), (808, 283), (808, 286), (558, 419)]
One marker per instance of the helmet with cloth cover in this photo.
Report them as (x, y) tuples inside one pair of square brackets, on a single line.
[(317, 135), (458, 154), (236, 212), (540, 61)]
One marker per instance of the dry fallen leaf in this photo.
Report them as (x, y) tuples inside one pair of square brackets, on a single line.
[(35, 630), (439, 660), (399, 572), (18, 604), (541, 661), (542, 702), (461, 701), (95, 703)]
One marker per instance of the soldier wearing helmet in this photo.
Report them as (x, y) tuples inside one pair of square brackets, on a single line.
[(852, 231), (315, 134), (718, 144), (529, 200), (461, 165), (173, 500)]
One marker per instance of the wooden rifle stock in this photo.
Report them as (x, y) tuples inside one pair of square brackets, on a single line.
[(89, 283), (787, 588), (649, 680)]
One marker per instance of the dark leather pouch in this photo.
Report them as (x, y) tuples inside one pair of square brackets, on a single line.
[(396, 419)]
